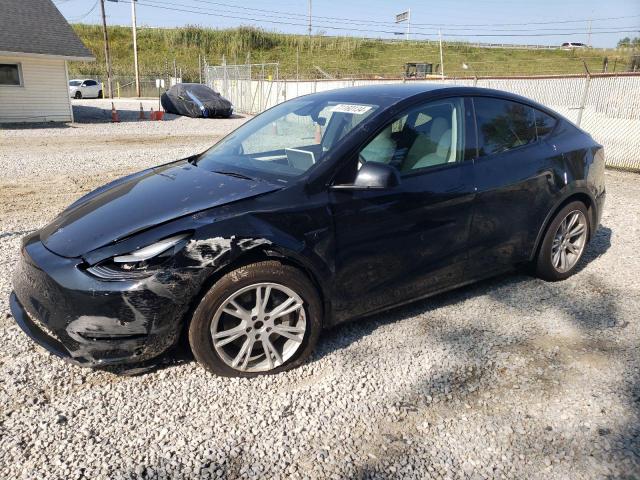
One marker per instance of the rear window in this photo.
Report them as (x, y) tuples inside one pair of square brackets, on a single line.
[(503, 125), (544, 123)]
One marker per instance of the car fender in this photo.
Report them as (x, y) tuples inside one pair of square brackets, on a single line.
[(223, 254), (569, 191)]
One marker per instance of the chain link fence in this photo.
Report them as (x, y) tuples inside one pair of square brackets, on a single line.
[(252, 88)]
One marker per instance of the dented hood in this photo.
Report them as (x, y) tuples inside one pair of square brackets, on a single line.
[(141, 201)]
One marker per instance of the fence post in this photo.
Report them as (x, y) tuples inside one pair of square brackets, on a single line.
[(583, 100)]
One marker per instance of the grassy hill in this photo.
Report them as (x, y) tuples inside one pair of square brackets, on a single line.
[(339, 56)]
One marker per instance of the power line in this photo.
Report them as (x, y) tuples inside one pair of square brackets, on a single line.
[(82, 17), (367, 23), (329, 27), (293, 14)]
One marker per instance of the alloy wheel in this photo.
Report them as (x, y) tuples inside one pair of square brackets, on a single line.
[(569, 241), (259, 327)]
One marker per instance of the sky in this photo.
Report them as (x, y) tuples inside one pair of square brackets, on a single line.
[(494, 21)]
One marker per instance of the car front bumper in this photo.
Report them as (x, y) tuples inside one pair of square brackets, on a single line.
[(93, 322)]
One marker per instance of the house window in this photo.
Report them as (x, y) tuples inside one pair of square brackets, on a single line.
[(10, 74)]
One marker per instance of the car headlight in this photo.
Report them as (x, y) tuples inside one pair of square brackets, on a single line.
[(139, 263)]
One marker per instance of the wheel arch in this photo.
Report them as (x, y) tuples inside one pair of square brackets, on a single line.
[(577, 195), (256, 255)]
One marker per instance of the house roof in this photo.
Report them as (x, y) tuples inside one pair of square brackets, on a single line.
[(37, 27)]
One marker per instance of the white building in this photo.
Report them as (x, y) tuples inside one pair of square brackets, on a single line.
[(35, 44)]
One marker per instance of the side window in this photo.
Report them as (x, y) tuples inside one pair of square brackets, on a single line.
[(544, 123), (503, 125), (91, 83), (429, 135)]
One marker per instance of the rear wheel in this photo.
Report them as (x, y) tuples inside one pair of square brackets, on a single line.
[(262, 318), (564, 243), (78, 95), (100, 94)]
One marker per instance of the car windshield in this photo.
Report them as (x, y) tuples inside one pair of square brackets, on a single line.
[(75, 83), (287, 140)]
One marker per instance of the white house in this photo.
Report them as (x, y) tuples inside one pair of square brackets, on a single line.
[(35, 44)]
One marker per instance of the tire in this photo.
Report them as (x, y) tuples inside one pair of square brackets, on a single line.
[(549, 263), (78, 95), (99, 94), (240, 286)]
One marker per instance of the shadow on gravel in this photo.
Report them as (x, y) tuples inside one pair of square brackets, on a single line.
[(34, 125), (176, 356), (89, 114), (598, 245)]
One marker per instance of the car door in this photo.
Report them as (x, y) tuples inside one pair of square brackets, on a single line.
[(84, 89), (397, 244), (92, 88), (514, 178)]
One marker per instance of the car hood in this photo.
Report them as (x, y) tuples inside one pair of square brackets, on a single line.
[(141, 201)]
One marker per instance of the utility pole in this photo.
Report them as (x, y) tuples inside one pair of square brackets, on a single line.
[(441, 56), (135, 45), (589, 35), (107, 56), (309, 18)]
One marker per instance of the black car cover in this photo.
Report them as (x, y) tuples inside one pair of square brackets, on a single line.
[(195, 100)]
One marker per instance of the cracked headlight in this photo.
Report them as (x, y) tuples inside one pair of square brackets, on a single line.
[(139, 263)]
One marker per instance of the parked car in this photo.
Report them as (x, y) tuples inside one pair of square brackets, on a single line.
[(325, 208), (574, 45), (196, 100), (85, 88)]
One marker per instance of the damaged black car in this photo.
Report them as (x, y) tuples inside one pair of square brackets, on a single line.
[(325, 208)]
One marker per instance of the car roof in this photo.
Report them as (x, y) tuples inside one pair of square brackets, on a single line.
[(384, 94), (389, 94)]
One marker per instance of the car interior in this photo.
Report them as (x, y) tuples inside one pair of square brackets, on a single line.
[(427, 136)]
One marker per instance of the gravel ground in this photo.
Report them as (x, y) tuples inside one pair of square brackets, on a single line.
[(509, 378)]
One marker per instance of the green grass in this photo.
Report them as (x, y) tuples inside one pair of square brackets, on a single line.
[(342, 57)]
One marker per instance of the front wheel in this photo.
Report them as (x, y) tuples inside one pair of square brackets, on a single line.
[(78, 95), (261, 318), (564, 243)]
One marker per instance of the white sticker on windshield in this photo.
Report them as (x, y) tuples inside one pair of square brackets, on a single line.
[(351, 108)]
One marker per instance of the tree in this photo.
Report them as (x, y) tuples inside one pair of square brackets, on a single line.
[(629, 42)]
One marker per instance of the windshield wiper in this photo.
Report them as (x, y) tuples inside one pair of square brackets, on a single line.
[(233, 174)]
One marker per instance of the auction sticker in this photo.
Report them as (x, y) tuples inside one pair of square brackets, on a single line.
[(351, 108)]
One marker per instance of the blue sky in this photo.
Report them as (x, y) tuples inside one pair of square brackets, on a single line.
[(501, 21)]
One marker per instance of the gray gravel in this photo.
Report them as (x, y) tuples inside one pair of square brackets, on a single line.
[(509, 378)]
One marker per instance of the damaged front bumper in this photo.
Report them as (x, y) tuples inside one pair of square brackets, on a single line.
[(92, 322)]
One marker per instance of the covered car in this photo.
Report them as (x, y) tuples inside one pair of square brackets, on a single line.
[(196, 100)]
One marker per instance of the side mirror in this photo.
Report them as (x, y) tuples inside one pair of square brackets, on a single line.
[(373, 175)]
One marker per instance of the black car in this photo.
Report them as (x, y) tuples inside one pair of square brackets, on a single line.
[(195, 100), (322, 209)]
